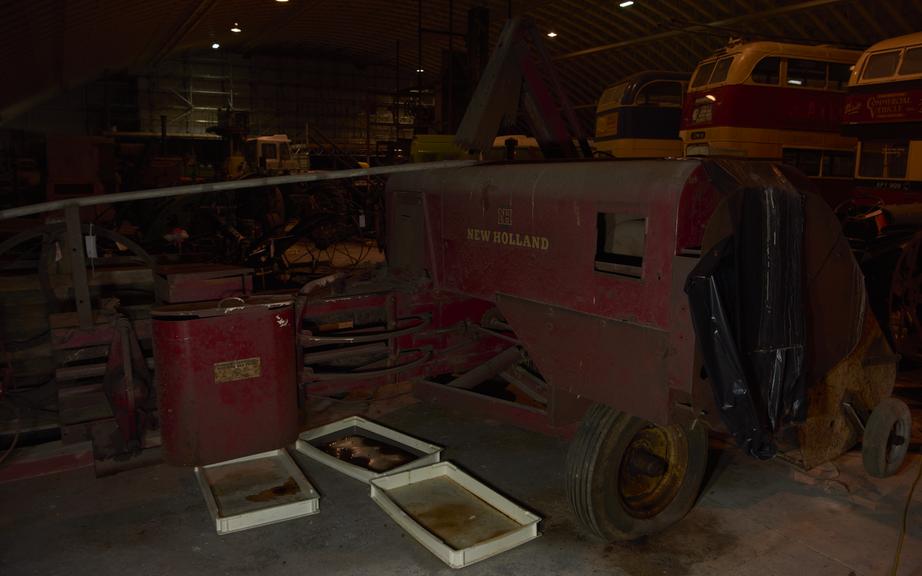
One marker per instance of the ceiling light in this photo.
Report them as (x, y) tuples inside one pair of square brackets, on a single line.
[(711, 97), (552, 34), (236, 28), (626, 3), (215, 45), (281, 0), (419, 70), (795, 82)]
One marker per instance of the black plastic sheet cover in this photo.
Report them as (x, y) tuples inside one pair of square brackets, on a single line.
[(747, 301), (714, 328)]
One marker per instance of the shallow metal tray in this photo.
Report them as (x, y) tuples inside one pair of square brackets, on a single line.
[(458, 518), (421, 453), (255, 491)]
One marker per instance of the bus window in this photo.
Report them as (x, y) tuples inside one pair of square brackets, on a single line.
[(612, 96), (766, 71), (704, 73), (912, 61), (883, 159), (285, 151), (820, 163), (838, 164), (660, 93), (838, 76), (806, 160), (721, 70), (806, 73), (881, 65)]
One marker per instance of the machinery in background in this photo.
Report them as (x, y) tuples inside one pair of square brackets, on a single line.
[(56, 167), (233, 127), (434, 147), (86, 374), (246, 156), (520, 76), (519, 80), (639, 117), (272, 156)]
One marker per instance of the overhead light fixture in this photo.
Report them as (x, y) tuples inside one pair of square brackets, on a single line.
[(626, 3), (711, 97), (215, 46), (419, 70), (795, 81), (552, 34), (281, 0), (236, 28)]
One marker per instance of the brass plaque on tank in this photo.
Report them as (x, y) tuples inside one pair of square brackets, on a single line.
[(237, 370)]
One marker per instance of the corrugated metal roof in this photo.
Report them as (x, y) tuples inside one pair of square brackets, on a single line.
[(51, 45)]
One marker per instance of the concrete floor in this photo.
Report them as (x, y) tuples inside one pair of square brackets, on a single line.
[(753, 518)]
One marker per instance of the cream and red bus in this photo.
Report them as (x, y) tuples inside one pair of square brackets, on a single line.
[(774, 100), (884, 214), (884, 111), (639, 117)]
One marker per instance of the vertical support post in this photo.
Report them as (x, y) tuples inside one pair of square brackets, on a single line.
[(369, 102), (163, 134), (397, 96), (74, 234), (451, 61), (419, 51)]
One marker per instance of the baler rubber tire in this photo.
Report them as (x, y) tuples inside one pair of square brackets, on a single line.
[(593, 468), (881, 457)]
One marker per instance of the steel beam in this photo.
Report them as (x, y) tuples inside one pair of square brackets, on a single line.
[(224, 186), (725, 22)]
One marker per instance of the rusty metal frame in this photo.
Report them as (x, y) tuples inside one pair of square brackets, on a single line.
[(308, 339), (426, 355)]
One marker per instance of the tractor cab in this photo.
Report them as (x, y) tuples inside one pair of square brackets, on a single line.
[(273, 155)]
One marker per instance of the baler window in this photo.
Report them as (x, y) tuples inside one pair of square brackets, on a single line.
[(620, 243)]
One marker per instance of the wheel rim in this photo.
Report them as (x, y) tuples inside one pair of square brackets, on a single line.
[(652, 470), (896, 442)]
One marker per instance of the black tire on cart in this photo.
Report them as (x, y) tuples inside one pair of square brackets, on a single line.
[(627, 477), (886, 438)]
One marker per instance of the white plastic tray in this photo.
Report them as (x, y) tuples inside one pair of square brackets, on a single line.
[(425, 453), (456, 517), (255, 491)]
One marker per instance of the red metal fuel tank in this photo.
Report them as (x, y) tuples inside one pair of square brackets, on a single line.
[(225, 378)]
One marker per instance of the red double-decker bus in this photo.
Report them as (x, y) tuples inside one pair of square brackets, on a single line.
[(774, 100), (884, 214), (884, 111)]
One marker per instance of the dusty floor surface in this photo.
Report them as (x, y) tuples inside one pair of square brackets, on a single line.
[(753, 518)]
